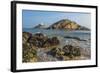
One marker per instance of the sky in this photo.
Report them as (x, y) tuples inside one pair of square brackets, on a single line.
[(31, 18)]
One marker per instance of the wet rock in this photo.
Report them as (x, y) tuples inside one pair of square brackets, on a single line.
[(39, 40), (51, 42), (55, 41), (39, 35), (71, 51), (26, 36), (47, 43), (56, 52), (29, 53), (66, 53)]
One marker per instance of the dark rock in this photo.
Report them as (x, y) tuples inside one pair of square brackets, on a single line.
[(38, 39), (55, 41), (39, 36), (56, 52), (26, 36), (47, 43), (51, 42), (72, 51), (28, 53)]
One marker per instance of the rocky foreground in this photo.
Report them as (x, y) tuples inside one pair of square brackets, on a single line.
[(41, 48)]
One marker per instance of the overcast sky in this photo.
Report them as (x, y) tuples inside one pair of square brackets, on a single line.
[(31, 18)]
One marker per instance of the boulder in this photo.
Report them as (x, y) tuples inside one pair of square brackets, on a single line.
[(38, 40), (54, 41), (71, 51), (47, 43), (39, 35), (28, 53), (56, 52), (26, 36)]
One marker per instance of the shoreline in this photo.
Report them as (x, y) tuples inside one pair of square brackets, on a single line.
[(42, 56)]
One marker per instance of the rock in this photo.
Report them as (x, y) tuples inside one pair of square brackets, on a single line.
[(56, 52), (26, 36), (54, 41), (39, 35), (38, 40), (29, 53), (72, 51), (47, 43), (68, 52)]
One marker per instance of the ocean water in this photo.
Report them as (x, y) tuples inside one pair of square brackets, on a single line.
[(84, 35)]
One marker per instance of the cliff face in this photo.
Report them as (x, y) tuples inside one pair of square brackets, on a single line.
[(67, 24)]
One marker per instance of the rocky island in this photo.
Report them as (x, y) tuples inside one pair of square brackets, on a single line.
[(64, 24)]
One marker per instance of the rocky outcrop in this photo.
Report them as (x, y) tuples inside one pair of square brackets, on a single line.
[(56, 52), (39, 48), (71, 51), (40, 40), (68, 51), (26, 36), (51, 42), (29, 52), (31, 44), (67, 24)]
